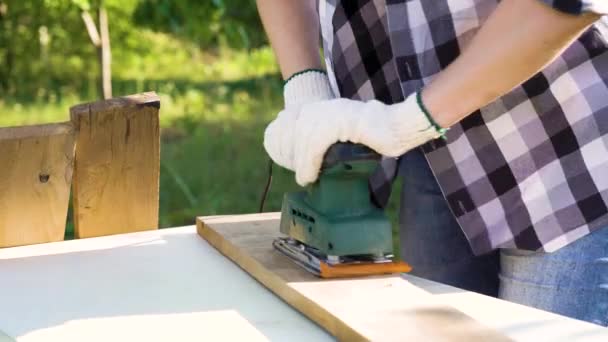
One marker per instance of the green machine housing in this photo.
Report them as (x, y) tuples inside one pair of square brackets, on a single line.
[(336, 215)]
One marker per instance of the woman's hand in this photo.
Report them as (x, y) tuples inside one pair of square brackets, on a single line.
[(311, 129), (302, 89)]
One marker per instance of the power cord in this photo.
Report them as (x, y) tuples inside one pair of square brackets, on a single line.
[(267, 187)]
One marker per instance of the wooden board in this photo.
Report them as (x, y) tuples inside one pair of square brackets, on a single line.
[(116, 176), (35, 179), (384, 308)]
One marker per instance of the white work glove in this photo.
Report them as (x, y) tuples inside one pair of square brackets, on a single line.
[(390, 130), (303, 88)]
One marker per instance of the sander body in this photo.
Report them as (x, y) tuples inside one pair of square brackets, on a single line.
[(333, 228)]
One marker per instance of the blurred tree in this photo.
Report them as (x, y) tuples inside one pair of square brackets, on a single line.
[(46, 50), (100, 39), (211, 24), (38, 43)]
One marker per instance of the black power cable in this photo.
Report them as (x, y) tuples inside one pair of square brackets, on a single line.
[(267, 187)]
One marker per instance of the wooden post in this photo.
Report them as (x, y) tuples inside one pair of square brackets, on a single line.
[(35, 179), (117, 165)]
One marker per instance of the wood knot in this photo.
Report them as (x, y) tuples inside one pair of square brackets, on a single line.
[(44, 177)]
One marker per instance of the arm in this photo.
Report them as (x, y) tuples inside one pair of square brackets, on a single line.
[(518, 40), (293, 29)]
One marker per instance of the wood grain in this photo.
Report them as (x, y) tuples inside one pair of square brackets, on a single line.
[(35, 179), (384, 308), (116, 175)]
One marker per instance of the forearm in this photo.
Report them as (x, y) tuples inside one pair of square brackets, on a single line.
[(518, 40), (293, 29)]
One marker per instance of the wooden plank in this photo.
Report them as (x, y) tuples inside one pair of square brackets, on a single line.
[(384, 308), (116, 175), (35, 180)]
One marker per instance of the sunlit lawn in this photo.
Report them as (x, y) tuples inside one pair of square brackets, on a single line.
[(212, 158)]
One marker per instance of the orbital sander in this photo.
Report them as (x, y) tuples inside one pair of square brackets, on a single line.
[(333, 228)]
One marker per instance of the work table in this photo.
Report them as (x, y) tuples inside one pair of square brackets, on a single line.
[(170, 284)]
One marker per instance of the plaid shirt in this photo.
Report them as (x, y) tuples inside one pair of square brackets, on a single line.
[(528, 171)]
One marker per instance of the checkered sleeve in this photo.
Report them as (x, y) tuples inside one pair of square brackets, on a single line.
[(579, 6)]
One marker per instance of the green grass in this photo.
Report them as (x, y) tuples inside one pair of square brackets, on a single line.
[(214, 108), (214, 162), (213, 113), (212, 158)]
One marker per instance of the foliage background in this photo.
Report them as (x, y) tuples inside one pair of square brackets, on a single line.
[(209, 62)]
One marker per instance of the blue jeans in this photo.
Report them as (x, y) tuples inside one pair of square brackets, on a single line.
[(572, 281)]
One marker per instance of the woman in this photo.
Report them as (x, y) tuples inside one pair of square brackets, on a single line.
[(514, 200)]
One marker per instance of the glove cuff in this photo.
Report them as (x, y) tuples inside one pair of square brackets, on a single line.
[(442, 131), (412, 123), (307, 86)]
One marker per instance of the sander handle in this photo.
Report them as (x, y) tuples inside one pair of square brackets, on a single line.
[(344, 152)]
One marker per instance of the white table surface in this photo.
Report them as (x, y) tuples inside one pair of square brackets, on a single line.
[(170, 284), (163, 285)]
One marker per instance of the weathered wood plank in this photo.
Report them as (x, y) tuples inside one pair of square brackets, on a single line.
[(384, 308), (35, 179), (116, 175)]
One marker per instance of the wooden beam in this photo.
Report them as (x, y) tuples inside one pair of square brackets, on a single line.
[(116, 175), (35, 180), (384, 308)]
